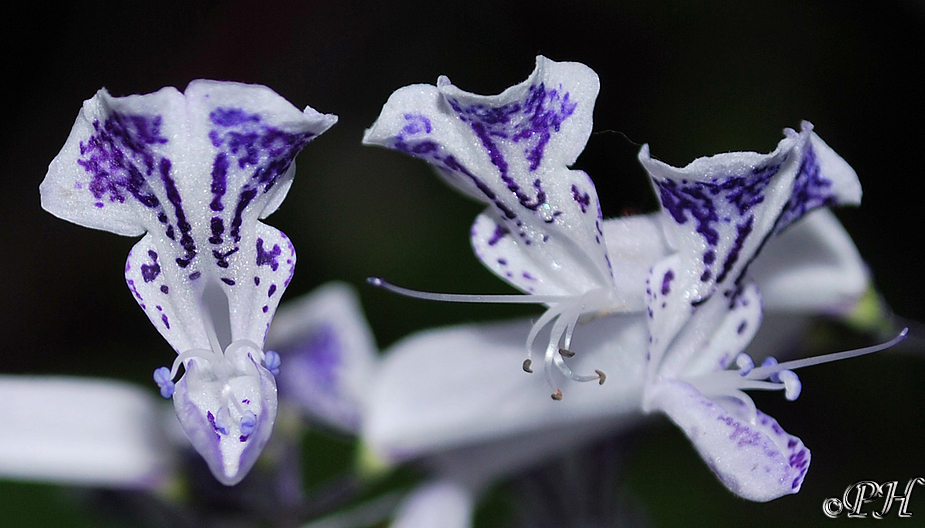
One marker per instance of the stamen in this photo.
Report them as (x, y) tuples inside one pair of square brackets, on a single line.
[(792, 385), (768, 362), (248, 423), (562, 313), (837, 356), (779, 376)]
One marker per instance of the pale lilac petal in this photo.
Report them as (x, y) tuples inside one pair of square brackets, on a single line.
[(759, 461), (329, 355), (84, 431), (436, 504), (460, 386), (812, 267), (512, 151)]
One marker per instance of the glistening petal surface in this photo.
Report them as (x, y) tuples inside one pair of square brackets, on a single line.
[(756, 461), (542, 230), (194, 171)]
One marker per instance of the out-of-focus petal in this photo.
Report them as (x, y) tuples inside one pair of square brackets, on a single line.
[(329, 355), (84, 431)]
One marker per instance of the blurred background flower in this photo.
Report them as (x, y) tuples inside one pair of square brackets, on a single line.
[(691, 79)]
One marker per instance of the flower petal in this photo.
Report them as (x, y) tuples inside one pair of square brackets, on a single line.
[(759, 461), (812, 267), (634, 245), (710, 339), (543, 229), (463, 385), (721, 210), (329, 355), (228, 419), (195, 171), (83, 431)]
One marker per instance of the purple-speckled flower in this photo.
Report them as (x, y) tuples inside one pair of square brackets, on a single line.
[(194, 172), (702, 308), (543, 231)]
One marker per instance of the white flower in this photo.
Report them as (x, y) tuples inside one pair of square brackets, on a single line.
[(703, 309), (543, 231), (194, 172)]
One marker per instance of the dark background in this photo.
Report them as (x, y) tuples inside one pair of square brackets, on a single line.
[(689, 78)]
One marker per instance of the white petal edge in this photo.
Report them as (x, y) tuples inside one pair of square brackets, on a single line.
[(812, 267)]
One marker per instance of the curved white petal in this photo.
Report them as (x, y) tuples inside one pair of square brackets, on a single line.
[(329, 355), (229, 416), (634, 245), (712, 337), (463, 385), (84, 431), (757, 461), (812, 267)]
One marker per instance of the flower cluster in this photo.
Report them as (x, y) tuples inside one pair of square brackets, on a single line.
[(658, 309)]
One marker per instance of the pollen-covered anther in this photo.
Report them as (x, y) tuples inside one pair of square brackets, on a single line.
[(745, 364), (566, 353), (248, 423), (526, 366), (557, 395), (164, 380), (602, 376), (272, 362)]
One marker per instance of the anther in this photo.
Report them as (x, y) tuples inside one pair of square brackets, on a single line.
[(602, 376), (272, 361), (165, 381), (527, 363), (792, 385), (566, 353), (248, 423), (557, 395), (745, 364), (770, 361)]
